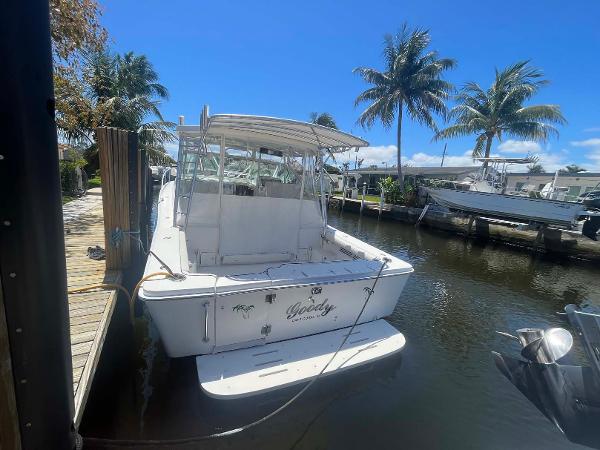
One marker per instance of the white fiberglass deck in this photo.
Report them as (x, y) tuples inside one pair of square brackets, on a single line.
[(245, 227), (251, 371)]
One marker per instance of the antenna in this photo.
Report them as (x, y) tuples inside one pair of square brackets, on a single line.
[(444, 154)]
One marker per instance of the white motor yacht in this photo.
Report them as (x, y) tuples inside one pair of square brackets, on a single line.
[(266, 291)]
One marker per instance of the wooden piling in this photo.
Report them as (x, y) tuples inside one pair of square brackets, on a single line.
[(32, 255), (10, 439), (120, 191)]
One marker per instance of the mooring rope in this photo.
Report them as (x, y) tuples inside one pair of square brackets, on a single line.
[(190, 440)]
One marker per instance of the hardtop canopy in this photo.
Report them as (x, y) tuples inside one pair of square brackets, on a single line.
[(281, 133)]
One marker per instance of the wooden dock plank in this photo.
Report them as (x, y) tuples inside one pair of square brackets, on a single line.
[(90, 312)]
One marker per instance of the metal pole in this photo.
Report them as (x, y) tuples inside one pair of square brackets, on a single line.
[(32, 248), (444, 154), (362, 202), (381, 200), (323, 206), (344, 184)]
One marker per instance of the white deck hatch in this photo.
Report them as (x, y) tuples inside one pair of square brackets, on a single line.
[(251, 371)]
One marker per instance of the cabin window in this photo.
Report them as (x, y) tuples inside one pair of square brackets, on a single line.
[(519, 186)]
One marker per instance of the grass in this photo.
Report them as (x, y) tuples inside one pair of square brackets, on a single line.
[(370, 198), (94, 182), (67, 199)]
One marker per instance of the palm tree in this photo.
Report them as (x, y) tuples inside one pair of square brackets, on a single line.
[(411, 81), (126, 92), (499, 110), (324, 119)]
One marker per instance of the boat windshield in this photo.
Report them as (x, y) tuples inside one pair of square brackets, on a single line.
[(248, 169)]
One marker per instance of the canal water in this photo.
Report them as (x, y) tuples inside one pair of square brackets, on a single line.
[(442, 392)]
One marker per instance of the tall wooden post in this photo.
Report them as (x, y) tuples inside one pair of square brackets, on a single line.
[(118, 168), (36, 376), (142, 174)]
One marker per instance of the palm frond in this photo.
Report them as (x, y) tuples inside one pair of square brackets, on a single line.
[(453, 131), (549, 113)]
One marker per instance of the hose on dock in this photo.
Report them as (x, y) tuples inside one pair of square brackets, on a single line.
[(193, 439), (130, 297)]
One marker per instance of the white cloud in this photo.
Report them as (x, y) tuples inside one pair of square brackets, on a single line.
[(592, 130), (422, 159), (371, 156), (381, 155), (593, 143), (513, 146), (593, 147), (551, 162)]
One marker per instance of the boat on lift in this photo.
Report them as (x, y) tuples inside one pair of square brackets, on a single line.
[(485, 194), (265, 290)]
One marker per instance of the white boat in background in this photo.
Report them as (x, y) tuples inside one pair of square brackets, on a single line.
[(552, 212), (267, 290), (485, 195), (157, 173)]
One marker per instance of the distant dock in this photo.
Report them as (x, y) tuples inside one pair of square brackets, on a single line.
[(550, 240)]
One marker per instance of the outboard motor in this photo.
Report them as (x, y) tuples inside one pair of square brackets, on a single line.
[(591, 226), (568, 395)]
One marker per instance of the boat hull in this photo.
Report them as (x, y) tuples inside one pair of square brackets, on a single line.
[(509, 206), (199, 325)]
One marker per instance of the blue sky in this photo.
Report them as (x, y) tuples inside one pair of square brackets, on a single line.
[(287, 59)]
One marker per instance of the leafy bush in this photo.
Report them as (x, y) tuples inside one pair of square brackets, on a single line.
[(392, 193), (68, 172)]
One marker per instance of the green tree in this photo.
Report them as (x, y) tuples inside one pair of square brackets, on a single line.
[(75, 28), (76, 31), (535, 168), (324, 119), (500, 110), (572, 168), (411, 81), (120, 91)]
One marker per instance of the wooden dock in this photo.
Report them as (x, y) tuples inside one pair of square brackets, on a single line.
[(89, 312)]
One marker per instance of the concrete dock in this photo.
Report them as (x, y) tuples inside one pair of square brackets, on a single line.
[(550, 240)]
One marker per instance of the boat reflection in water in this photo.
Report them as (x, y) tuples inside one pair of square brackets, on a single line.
[(568, 395)]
